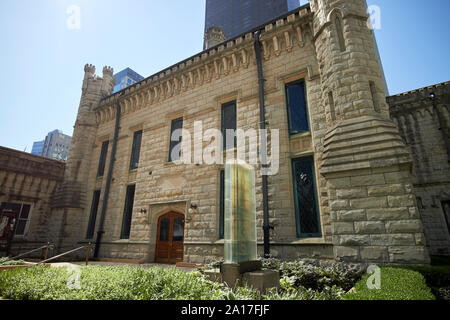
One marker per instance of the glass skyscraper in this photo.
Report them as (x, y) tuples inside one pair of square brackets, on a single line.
[(239, 16), (126, 78)]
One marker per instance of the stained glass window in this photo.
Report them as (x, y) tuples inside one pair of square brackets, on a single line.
[(306, 204)]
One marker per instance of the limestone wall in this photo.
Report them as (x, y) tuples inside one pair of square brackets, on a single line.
[(32, 180), (420, 128)]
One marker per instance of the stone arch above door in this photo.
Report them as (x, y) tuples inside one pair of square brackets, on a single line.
[(156, 210)]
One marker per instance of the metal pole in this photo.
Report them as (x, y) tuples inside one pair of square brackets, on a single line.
[(261, 80), (88, 251), (46, 251)]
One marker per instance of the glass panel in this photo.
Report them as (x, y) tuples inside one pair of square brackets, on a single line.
[(15, 207), (178, 232), (135, 153), (229, 122), (25, 212), (128, 212), (164, 230), (93, 215), (222, 205), (305, 197), (176, 124), (296, 100), (20, 229), (102, 160)]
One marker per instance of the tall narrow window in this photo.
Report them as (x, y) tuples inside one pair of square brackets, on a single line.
[(175, 140), (446, 210), (340, 33), (128, 212), (331, 103), (93, 215), (229, 123), (222, 205), (102, 161), (136, 150), (306, 204), (373, 92), (296, 104)]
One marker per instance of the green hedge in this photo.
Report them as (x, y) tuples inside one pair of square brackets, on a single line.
[(396, 284)]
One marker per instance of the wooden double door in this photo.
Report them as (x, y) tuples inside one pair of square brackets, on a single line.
[(170, 238)]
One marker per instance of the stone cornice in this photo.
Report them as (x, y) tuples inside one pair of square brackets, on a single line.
[(208, 66)]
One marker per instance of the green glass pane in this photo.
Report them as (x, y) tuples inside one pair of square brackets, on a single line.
[(240, 213)]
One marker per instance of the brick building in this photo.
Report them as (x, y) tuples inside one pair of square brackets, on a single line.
[(345, 189)]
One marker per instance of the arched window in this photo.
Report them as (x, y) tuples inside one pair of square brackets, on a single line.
[(340, 33)]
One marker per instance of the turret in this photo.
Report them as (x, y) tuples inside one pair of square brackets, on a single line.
[(214, 36), (72, 192), (364, 159)]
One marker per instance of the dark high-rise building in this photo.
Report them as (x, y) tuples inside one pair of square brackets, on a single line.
[(238, 16)]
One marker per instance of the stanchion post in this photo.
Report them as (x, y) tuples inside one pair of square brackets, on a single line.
[(88, 252)]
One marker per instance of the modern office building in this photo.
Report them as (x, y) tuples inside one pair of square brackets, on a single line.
[(37, 147), (238, 16), (56, 145), (126, 78)]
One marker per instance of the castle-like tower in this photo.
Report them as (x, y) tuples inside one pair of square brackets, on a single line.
[(70, 198), (365, 162)]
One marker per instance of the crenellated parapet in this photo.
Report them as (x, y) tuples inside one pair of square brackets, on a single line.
[(211, 65)]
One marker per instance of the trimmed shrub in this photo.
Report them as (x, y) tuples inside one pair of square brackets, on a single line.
[(396, 284)]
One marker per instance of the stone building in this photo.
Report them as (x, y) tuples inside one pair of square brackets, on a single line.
[(423, 119), (345, 188), (27, 183)]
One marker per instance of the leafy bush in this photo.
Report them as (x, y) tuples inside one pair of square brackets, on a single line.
[(308, 275), (396, 284), (135, 283), (6, 262)]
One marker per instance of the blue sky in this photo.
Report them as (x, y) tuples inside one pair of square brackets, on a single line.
[(42, 60)]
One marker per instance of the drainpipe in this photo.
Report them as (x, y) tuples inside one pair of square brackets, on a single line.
[(100, 231), (442, 127), (262, 123)]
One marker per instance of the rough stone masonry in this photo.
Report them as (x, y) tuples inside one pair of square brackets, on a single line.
[(369, 167)]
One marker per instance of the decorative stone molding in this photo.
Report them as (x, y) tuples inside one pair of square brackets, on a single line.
[(214, 63)]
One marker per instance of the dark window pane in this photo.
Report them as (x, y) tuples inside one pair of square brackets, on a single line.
[(102, 161), (306, 205), (164, 230), (222, 205), (178, 229), (20, 228), (25, 212), (446, 208), (297, 112), (175, 141), (14, 207), (93, 215), (128, 212), (229, 123), (136, 150)]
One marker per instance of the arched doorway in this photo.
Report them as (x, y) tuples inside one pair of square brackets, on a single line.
[(170, 238)]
